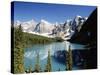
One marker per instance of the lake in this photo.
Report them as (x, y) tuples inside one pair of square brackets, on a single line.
[(30, 54)]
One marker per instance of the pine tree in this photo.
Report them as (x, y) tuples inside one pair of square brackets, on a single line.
[(30, 69), (18, 60), (18, 51), (37, 66), (59, 69), (69, 61), (48, 65)]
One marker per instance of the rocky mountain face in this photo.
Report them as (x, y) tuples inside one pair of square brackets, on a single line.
[(44, 27), (67, 29), (63, 30), (88, 32), (27, 26), (77, 23)]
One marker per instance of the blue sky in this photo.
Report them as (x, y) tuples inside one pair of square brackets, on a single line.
[(25, 11)]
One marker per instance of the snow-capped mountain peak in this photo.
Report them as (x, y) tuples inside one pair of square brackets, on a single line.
[(69, 20), (44, 27), (44, 21), (63, 30), (86, 18), (78, 16), (77, 23), (27, 25), (17, 23)]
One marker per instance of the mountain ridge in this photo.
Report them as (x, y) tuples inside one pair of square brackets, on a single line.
[(63, 30)]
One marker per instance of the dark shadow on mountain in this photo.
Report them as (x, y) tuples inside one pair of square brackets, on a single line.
[(88, 33), (88, 36)]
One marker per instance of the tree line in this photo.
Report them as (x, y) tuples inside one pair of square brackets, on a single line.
[(22, 40)]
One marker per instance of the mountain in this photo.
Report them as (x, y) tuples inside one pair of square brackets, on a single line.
[(88, 32), (43, 27), (88, 36), (17, 23), (63, 30), (67, 29), (27, 26), (77, 23)]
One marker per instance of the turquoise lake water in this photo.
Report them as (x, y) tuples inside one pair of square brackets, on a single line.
[(30, 54)]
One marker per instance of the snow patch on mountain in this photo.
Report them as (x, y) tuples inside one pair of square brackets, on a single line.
[(44, 28)]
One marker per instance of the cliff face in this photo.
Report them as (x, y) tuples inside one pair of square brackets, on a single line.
[(88, 33), (88, 36)]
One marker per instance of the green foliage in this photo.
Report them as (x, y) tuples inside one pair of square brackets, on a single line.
[(30, 69), (59, 69), (37, 66), (69, 61), (48, 65), (58, 39), (18, 50), (36, 39), (18, 37), (22, 40)]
